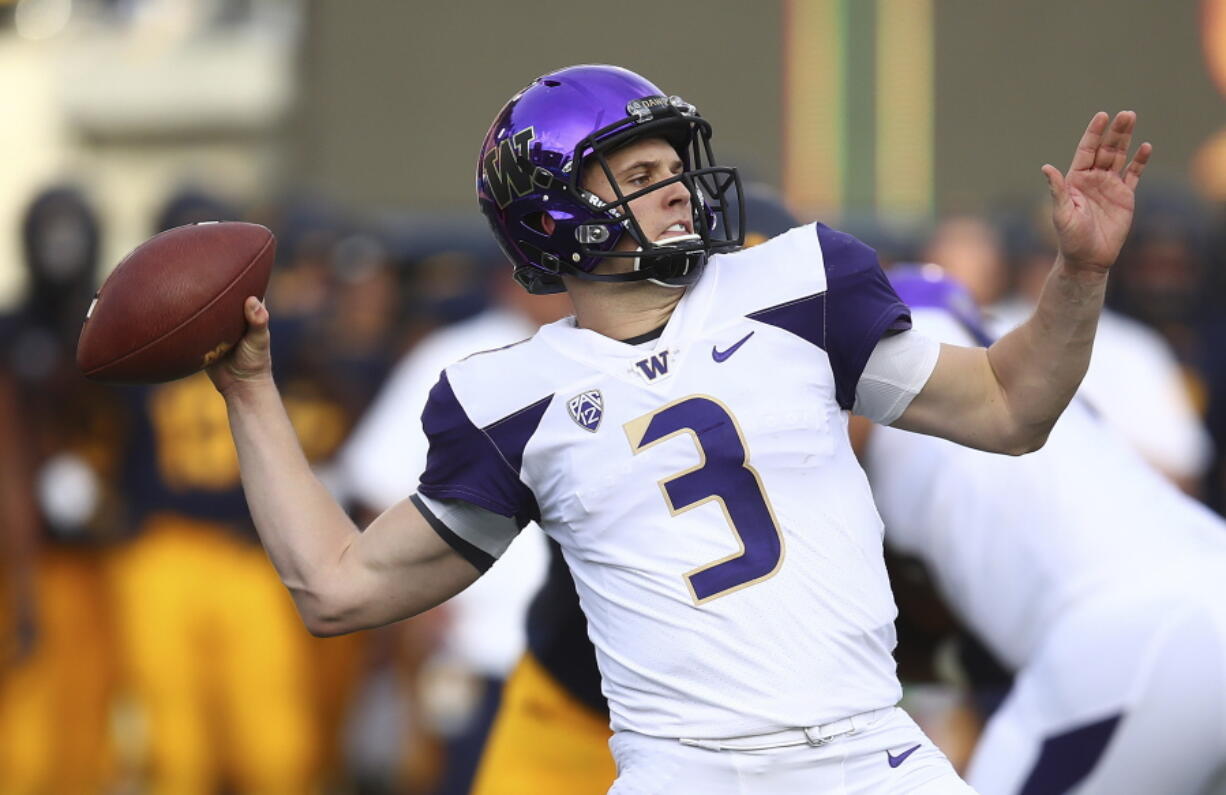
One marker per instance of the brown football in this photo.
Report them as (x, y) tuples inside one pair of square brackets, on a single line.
[(175, 304)]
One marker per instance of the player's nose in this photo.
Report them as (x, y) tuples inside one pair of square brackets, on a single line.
[(675, 193)]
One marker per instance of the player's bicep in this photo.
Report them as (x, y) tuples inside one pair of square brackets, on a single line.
[(961, 401), (397, 567)]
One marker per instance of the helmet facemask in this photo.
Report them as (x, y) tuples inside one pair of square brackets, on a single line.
[(714, 193)]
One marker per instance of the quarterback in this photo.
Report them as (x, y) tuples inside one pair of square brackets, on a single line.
[(683, 438)]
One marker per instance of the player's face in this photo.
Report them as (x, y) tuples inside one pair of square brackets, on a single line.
[(662, 213)]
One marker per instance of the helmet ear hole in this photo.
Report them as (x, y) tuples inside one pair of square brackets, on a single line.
[(542, 223)]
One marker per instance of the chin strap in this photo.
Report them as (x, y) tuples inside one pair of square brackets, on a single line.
[(680, 267), (684, 261)]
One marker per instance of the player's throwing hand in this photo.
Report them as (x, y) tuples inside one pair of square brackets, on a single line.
[(250, 360), (1092, 204)]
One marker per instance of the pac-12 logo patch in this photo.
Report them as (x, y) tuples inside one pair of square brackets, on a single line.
[(586, 409)]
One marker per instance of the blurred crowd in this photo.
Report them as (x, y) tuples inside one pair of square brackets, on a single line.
[(149, 646), (149, 643)]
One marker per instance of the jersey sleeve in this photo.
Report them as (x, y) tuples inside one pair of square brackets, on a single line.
[(478, 535), (861, 308), (477, 465), (897, 370)]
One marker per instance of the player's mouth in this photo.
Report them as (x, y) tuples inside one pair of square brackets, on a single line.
[(676, 233)]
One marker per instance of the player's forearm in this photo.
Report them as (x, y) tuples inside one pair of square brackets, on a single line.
[(303, 529), (1040, 364)]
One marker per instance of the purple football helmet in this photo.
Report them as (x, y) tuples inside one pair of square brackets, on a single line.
[(532, 163), (927, 286)]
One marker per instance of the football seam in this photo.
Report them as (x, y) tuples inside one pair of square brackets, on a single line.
[(198, 313)]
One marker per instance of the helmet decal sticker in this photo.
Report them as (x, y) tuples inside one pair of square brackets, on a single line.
[(506, 170)]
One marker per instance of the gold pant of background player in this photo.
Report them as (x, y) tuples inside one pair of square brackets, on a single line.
[(218, 661), (545, 741), (54, 703)]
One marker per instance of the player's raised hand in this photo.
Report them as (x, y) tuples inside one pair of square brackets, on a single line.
[(1092, 204), (250, 360)]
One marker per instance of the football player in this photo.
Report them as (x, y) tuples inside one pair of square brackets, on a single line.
[(551, 736), (1085, 572), (61, 434), (235, 693), (683, 438)]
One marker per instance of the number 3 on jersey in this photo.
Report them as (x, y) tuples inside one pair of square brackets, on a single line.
[(723, 474)]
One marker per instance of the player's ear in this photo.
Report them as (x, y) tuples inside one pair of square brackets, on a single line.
[(545, 223)]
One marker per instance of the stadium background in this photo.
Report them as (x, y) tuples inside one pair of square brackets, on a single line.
[(352, 128), (381, 107)]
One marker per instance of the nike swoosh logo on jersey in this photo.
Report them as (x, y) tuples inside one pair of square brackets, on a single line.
[(720, 356), (895, 761)]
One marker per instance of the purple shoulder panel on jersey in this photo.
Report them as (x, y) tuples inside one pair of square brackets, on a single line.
[(861, 308), (511, 433), (478, 465), (858, 307)]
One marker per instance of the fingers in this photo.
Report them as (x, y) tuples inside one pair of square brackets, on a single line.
[(1087, 147), (1112, 151), (1133, 175), (255, 340), (249, 361), (1104, 146), (255, 312)]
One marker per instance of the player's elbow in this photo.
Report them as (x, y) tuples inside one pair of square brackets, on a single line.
[(324, 627), (329, 624), (327, 614), (1023, 439), (1014, 427), (1026, 446)]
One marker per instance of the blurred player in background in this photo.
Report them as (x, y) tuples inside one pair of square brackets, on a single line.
[(483, 626), (723, 668), (972, 250), (339, 294), (234, 688), (1084, 571), (552, 732), (58, 673)]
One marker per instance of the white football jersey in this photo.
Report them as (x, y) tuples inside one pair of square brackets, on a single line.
[(720, 532), (1013, 543)]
